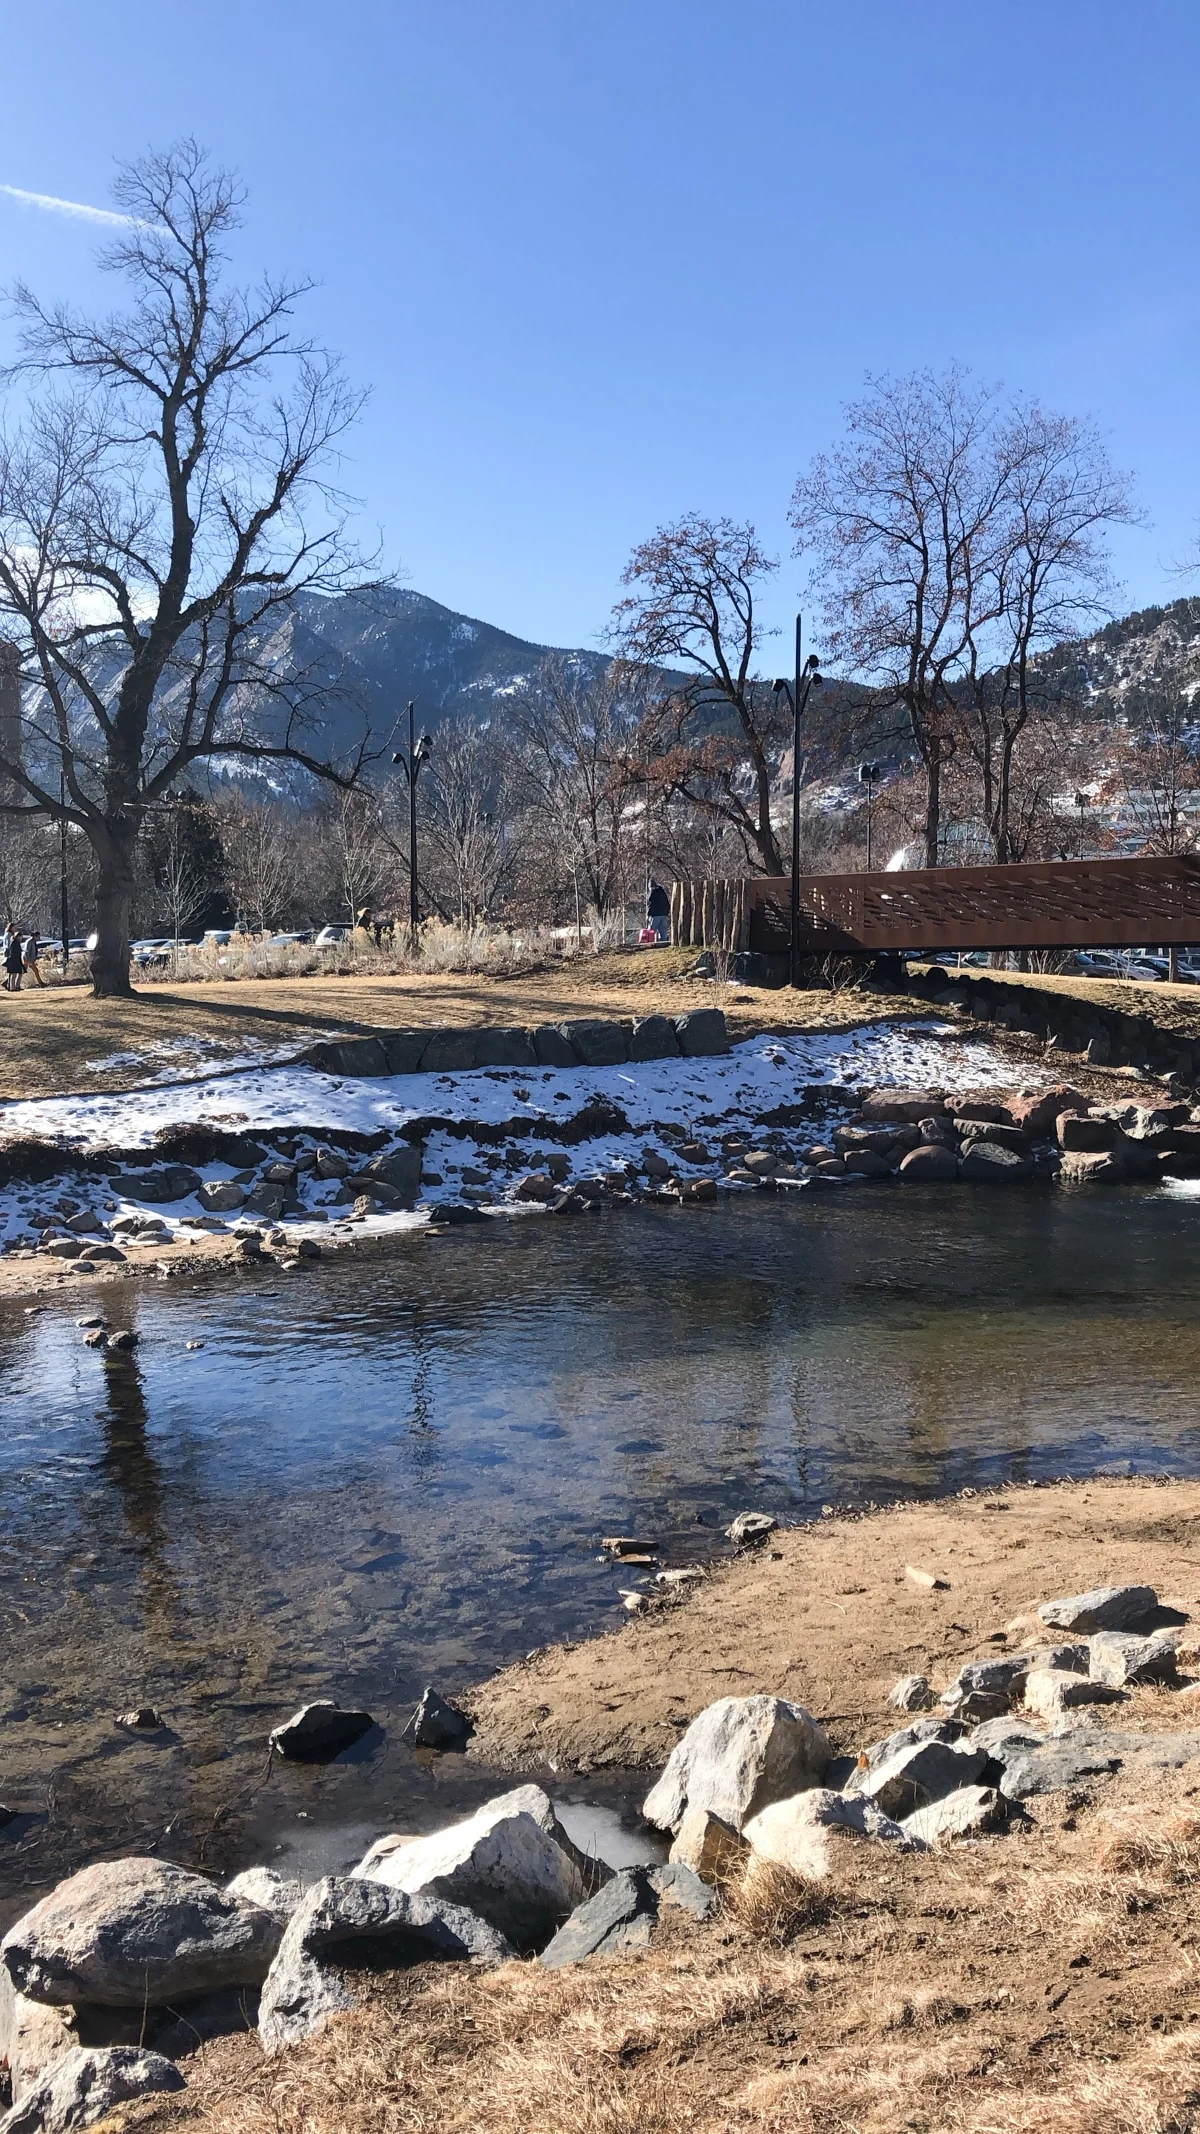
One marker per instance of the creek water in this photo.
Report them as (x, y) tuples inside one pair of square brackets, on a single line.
[(389, 1471)]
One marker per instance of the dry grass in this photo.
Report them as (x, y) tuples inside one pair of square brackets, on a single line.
[(775, 1905), (61, 1039), (946, 1994)]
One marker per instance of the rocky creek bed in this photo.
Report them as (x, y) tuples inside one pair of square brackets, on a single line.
[(980, 1713)]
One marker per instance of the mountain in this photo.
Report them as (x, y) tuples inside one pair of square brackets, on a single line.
[(1132, 669)]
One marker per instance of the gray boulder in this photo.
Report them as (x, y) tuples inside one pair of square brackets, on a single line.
[(319, 1731), (342, 1917), (1031, 1766), (399, 1168), (1104, 1608), (654, 1039), (987, 1163), (750, 1529), (553, 1047), (740, 1754), (675, 1883), (1116, 1657), (85, 2087), (597, 1043), (795, 1833), (221, 1196), (509, 1047), (912, 1693), (702, 1033), (932, 1165), (448, 1052), (922, 1772), (512, 1862), (137, 1933), (402, 1050), (438, 1725), (968, 1813), (619, 1917)]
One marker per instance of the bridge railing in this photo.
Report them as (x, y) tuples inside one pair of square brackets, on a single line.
[(1108, 903)]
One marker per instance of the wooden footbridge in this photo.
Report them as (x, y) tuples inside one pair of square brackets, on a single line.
[(1118, 903)]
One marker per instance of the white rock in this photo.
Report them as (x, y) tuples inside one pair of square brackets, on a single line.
[(83, 2088), (740, 1754), (1117, 1656), (271, 1892), (512, 1862), (795, 1833), (912, 1693), (965, 1814), (920, 1772), (714, 1850), (1049, 1692)]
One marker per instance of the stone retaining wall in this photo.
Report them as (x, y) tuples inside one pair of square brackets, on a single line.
[(1110, 1037), (588, 1042)]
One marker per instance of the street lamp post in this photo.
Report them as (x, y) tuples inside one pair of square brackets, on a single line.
[(417, 754), (868, 774), (797, 692)]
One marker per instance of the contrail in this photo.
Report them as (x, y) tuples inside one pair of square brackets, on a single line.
[(75, 208)]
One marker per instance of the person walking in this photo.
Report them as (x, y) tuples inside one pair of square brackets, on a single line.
[(30, 957), (14, 960)]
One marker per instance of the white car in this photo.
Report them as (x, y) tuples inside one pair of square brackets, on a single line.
[(330, 936)]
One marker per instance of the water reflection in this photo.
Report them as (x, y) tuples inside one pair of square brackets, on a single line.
[(386, 1473)]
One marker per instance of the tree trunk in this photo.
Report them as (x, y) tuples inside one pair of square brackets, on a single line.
[(114, 900), (933, 807)]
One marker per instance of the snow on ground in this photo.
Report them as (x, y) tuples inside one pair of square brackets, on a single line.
[(176, 1055), (727, 1092)]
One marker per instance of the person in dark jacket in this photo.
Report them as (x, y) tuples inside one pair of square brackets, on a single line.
[(14, 960)]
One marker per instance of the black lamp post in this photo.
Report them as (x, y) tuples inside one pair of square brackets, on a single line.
[(868, 774), (417, 754), (797, 692), (62, 864)]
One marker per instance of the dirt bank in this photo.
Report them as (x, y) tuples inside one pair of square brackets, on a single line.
[(827, 1615)]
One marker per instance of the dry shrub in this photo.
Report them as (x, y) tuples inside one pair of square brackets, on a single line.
[(775, 1905), (1166, 1846)]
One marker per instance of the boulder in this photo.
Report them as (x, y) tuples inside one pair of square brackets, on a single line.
[(987, 1163), (983, 1689), (597, 1042), (1051, 1691), (137, 1933), (1116, 1657), (653, 1039), (175, 1182), (1081, 1134), (931, 1165), (85, 2087), (866, 1163), (702, 1033), (402, 1050), (1103, 1608), (340, 1917), (795, 1833), (968, 1813), (998, 1135), (736, 1757), (330, 1164), (438, 1725), (923, 1771), (448, 1052), (618, 1918), (399, 1168), (710, 1847), (512, 1862), (350, 1056), (271, 1892), (1032, 1766), (676, 1883), (1098, 1170), (221, 1196), (319, 1731), (552, 1047), (266, 1200), (1035, 1111), (504, 1047), (750, 1529), (903, 1105), (912, 1693)]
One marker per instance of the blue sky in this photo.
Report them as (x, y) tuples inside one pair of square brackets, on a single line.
[(602, 261)]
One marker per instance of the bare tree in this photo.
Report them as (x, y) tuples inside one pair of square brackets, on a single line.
[(165, 496), (363, 858), (900, 518), (1046, 574), (183, 884), (1155, 782), (577, 738), (470, 810), (692, 604), (261, 861)]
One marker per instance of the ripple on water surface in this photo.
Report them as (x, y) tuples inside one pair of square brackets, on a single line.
[(389, 1471)]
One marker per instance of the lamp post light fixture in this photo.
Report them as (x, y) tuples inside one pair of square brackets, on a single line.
[(412, 760), (797, 692), (868, 775)]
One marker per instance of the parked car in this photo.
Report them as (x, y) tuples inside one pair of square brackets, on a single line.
[(144, 953), (329, 936), (217, 937), (288, 940)]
